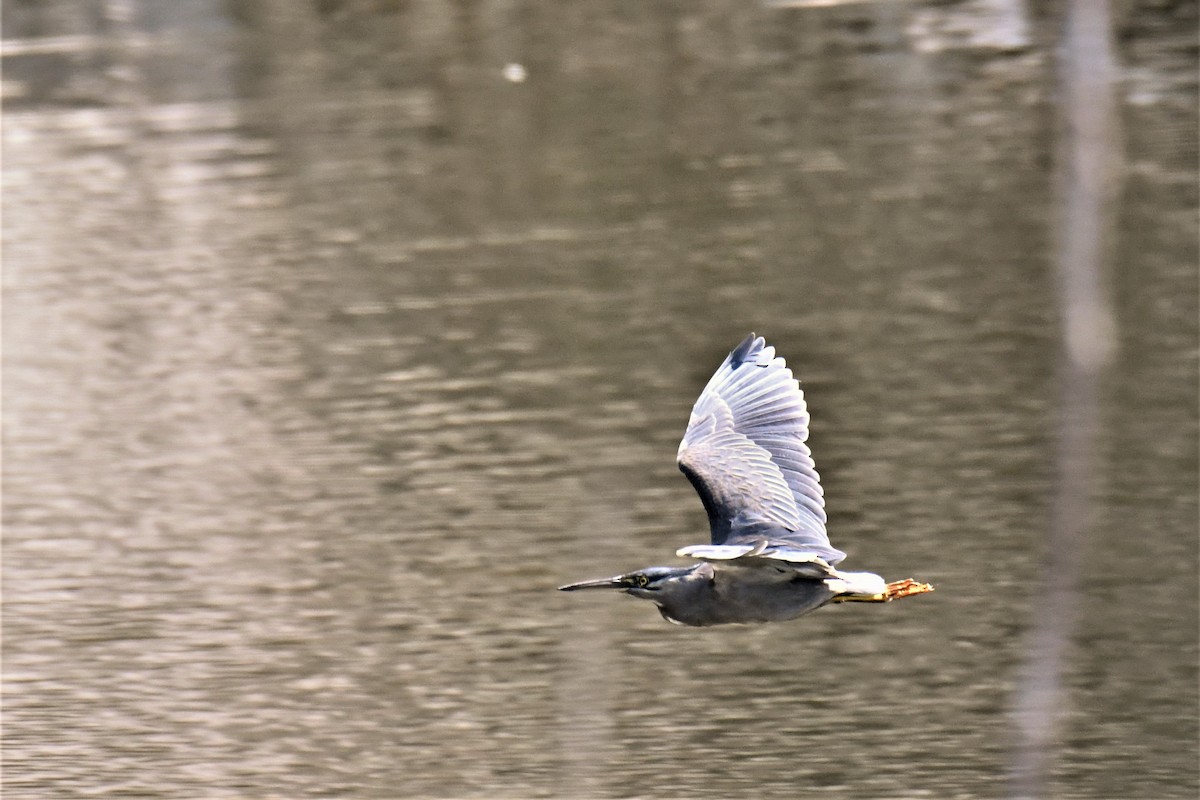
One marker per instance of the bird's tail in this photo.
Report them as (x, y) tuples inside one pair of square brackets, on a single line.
[(867, 587)]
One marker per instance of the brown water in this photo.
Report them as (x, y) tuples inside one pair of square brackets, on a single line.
[(329, 352)]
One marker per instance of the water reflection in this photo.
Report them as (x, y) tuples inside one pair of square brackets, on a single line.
[(330, 352)]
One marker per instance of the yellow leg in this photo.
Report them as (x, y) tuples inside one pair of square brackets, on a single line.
[(892, 591)]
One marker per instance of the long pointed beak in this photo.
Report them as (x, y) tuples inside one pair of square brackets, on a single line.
[(603, 583)]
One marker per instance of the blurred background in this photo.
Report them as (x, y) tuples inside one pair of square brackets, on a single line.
[(338, 333)]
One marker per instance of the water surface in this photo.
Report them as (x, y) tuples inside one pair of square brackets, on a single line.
[(330, 352)]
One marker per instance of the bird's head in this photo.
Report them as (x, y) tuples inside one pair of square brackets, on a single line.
[(646, 583)]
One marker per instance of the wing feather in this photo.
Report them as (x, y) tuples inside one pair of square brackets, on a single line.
[(744, 451)]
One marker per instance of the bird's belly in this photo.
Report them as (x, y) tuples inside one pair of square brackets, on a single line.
[(757, 602)]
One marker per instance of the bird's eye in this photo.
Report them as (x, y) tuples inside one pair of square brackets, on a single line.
[(641, 580)]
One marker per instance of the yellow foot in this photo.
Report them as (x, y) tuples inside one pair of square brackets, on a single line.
[(904, 588)]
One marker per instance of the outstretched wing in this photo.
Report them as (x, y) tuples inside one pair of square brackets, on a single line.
[(744, 452)]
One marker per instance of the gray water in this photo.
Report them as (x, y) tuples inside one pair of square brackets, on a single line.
[(331, 348)]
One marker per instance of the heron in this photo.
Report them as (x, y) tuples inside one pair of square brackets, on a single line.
[(769, 559)]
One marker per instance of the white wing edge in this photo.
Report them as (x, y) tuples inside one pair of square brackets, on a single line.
[(729, 552), (720, 552)]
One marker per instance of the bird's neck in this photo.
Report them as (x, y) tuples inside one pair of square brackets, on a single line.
[(690, 600)]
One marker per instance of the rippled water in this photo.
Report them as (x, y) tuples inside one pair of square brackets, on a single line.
[(330, 352)]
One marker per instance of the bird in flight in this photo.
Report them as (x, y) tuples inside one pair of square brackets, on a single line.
[(770, 558)]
